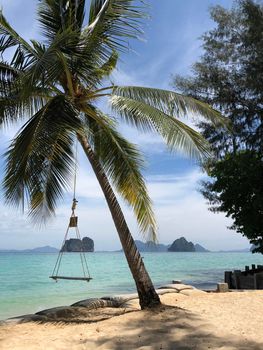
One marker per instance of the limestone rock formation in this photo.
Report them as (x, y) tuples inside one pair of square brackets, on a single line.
[(181, 245), (77, 245)]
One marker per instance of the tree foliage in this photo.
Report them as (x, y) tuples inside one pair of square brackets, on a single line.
[(236, 190), (229, 76)]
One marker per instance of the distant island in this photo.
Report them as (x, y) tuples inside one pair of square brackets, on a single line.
[(150, 246), (71, 245), (77, 245), (45, 249), (179, 245)]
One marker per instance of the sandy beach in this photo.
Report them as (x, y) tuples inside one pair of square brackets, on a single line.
[(187, 320)]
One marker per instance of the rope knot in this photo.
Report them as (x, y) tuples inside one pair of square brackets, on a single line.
[(74, 204)]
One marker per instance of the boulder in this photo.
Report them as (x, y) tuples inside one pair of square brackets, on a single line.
[(222, 287)]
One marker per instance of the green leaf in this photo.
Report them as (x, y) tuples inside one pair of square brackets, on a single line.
[(13, 103), (107, 68), (57, 16), (39, 161), (10, 38), (112, 24), (95, 7), (48, 67), (171, 103), (175, 133)]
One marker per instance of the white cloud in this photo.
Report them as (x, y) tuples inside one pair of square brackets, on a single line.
[(121, 77), (180, 210), (190, 217), (87, 184)]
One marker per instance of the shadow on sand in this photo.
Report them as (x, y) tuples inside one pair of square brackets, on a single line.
[(166, 328), (170, 328)]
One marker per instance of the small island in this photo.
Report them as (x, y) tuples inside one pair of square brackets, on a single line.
[(77, 245), (181, 245)]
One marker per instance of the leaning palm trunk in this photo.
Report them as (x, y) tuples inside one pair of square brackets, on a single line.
[(147, 294)]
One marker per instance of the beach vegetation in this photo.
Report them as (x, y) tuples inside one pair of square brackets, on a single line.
[(229, 76), (236, 188)]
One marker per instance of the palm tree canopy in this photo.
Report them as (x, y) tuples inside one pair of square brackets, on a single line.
[(54, 84)]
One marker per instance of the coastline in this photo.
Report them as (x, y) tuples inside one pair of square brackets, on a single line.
[(188, 319), (62, 313), (20, 295)]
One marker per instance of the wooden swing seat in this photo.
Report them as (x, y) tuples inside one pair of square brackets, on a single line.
[(71, 278), (73, 223)]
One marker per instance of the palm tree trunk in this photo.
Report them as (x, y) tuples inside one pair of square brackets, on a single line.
[(147, 295)]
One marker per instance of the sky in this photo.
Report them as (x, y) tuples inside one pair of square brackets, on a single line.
[(171, 45)]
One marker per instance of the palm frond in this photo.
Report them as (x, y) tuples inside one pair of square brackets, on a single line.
[(122, 162), (13, 109), (57, 16), (49, 68), (171, 103), (175, 133), (13, 103), (107, 68), (95, 7), (39, 160), (8, 75), (10, 38), (7, 72), (115, 22)]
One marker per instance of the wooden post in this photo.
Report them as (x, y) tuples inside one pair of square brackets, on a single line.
[(236, 278), (228, 279), (255, 281)]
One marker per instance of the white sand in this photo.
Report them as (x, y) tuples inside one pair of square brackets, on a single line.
[(195, 321)]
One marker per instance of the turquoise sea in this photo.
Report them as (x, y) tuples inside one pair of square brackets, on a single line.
[(26, 288)]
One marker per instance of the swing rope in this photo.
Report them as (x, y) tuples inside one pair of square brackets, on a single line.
[(73, 222), (75, 172)]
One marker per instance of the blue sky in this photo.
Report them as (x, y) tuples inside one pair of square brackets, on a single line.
[(172, 45)]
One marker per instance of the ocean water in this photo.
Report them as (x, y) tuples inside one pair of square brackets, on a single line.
[(25, 286)]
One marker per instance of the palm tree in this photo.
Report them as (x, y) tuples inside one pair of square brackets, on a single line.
[(53, 86)]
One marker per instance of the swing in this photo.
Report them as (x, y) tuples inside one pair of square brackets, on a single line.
[(73, 223)]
